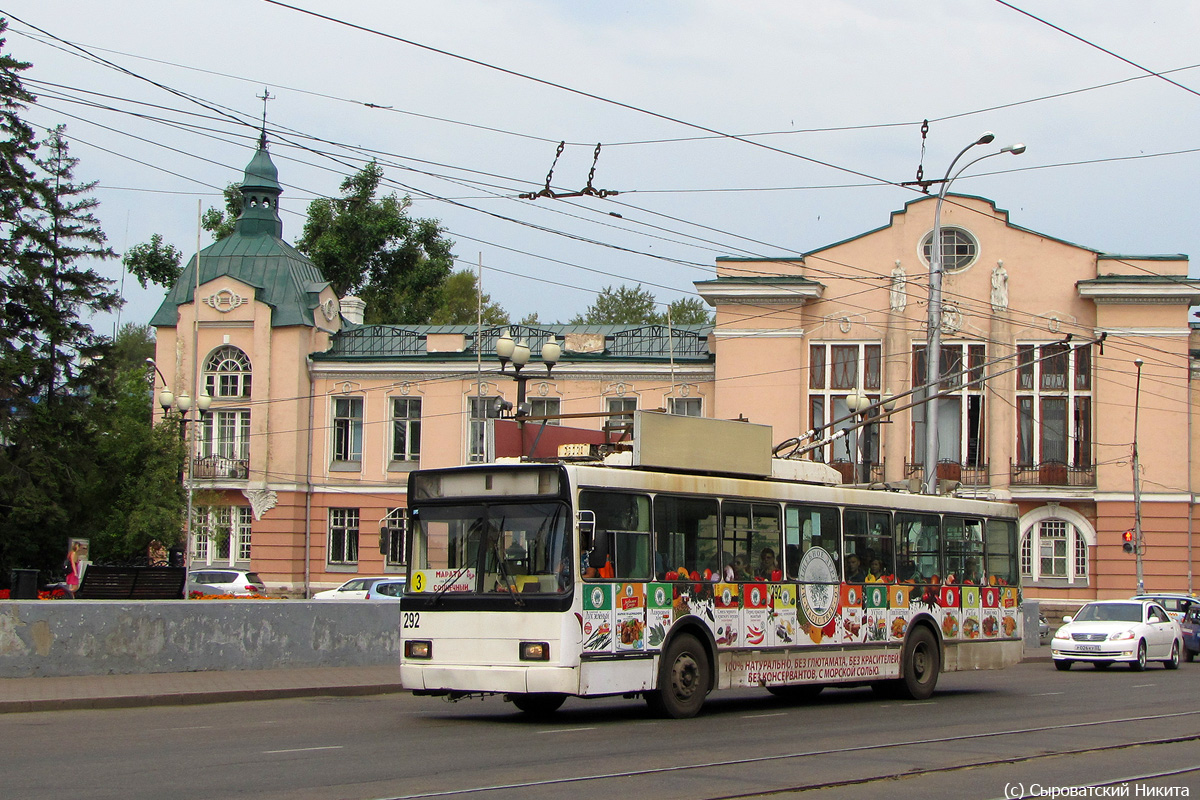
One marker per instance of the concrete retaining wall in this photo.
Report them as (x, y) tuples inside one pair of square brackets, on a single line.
[(103, 637)]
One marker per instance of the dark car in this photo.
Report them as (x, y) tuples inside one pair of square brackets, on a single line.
[(1191, 632)]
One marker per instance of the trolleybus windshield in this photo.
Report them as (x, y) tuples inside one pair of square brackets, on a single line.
[(498, 548)]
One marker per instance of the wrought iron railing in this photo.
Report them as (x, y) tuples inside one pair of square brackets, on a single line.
[(1052, 473), (970, 474), (221, 467), (852, 473)]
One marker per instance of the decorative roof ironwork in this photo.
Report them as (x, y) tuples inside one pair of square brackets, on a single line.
[(657, 340), (378, 340)]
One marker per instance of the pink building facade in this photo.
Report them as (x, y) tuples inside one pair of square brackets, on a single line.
[(302, 460)]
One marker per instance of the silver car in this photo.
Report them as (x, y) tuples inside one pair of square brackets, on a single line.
[(218, 580)]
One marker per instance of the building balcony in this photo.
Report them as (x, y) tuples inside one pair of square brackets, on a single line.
[(220, 467), (970, 474), (1052, 473), (851, 472)]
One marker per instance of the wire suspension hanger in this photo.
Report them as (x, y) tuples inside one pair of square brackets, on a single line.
[(586, 191)]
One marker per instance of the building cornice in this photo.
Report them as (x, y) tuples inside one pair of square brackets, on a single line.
[(1148, 290), (771, 291)]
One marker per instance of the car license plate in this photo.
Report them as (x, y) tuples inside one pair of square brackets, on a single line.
[(1088, 648)]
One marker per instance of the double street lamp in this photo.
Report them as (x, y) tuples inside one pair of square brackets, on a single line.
[(509, 351), (867, 409), (933, 343)]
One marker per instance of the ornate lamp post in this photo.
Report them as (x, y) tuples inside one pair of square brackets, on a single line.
[(933, 341), (517, 353), (859, 403), (182, 404)]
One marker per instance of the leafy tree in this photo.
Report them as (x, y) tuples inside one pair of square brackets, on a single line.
[(531, 320), (370, 246), (460, 301), (637, 306), (689, 311), (620, 306), (154, 262), (221, 223)]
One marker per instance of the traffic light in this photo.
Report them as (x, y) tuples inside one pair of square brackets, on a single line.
[(1128, 537)]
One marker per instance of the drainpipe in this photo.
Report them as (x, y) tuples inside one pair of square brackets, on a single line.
[(308, 486)]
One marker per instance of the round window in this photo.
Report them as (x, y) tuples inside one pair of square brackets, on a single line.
[(959, 249)]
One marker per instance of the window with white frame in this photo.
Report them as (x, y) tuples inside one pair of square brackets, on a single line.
[(226, 434), (836, 371), (222, 532), (347, 429), (620, 419), (227, 373), (1054, 404), (1054, 549), (406, 428), (960, 417), (546, 407), (396, 525), (343, 536), (480, 410), (959, 248), (684, 406)]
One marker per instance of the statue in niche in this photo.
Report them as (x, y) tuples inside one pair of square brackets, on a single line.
[(999, 287), (898, 295)]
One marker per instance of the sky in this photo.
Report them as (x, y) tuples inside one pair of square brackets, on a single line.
[(726, 128)]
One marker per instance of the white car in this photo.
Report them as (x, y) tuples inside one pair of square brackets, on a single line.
[(1107, 631), (353, 589), (387, 590)]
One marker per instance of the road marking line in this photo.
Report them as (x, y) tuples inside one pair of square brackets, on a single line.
[(302, 749), (1047, 694), (1144, 685), (758, 716), (568, 730)]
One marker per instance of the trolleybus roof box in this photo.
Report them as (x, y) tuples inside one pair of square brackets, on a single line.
[(698, 444)]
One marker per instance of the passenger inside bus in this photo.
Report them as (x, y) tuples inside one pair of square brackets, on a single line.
[(768, 568), (854, 569)]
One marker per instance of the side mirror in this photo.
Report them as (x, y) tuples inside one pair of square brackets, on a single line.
[(587, 529), (1068, 618)]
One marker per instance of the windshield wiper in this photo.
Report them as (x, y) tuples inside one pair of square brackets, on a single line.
[(445, 587), (502, 567)]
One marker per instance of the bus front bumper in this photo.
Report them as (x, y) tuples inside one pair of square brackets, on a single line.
[(489, 679)]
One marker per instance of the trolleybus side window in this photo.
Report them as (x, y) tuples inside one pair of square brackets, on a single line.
[(918, 550), (621, 544), (1002, 551), (808, 527), (686, 528), (964, 550), (868, 545), (749, 531)]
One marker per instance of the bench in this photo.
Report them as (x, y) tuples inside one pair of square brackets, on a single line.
[(132, 583)]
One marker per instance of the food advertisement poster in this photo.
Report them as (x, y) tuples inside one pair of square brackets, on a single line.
[(631, 616), (598, 618), (852, 612), (899, 597), (756, 613), (875, 607), (989, 597), (728, 615), (972, 613), (659, 597), (784, 630)]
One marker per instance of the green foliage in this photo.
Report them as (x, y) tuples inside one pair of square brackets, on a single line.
[(154, 262), (460, 303), (371, 247), (221, 223), (637, 306)]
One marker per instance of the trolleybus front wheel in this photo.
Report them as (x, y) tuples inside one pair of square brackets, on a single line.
[(683, 679), (538, 705)]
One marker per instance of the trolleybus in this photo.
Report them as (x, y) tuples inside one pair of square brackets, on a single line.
[(542, 581)]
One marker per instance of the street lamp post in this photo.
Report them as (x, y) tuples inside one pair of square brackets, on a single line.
[(933, 340), (1137, 482), (517, 353), (182, 404)]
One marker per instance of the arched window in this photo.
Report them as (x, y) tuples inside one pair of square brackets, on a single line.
[(1053, 549), (227, 373)]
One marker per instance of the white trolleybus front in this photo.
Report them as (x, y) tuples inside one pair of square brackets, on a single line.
[(541, 581)]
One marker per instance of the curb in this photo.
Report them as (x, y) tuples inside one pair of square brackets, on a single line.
[(192, 698)]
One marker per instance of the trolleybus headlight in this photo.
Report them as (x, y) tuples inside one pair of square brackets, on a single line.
[(418, 648), (535, 651)]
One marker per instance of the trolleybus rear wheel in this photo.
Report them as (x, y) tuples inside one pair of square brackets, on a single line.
[(922, 662), (683, 679)]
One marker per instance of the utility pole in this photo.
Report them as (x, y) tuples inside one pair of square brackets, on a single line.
[(1138, 543)]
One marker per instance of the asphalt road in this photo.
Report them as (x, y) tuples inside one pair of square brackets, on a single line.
[(1020, 732)]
